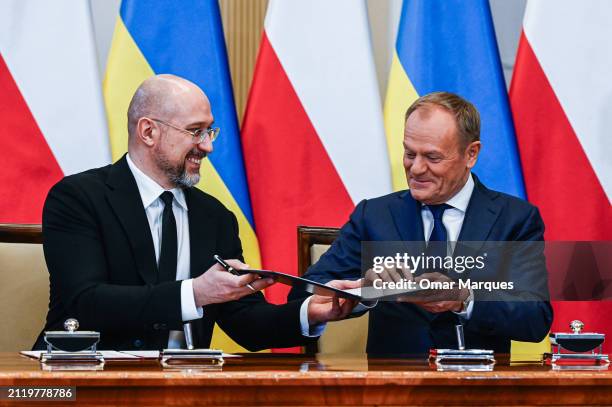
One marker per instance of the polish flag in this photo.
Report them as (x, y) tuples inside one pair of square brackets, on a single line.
[(52, 120), (313, 135), (561, 98)]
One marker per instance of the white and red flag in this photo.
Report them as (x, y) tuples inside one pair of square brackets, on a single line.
[(52, 120), (561, 97), (313, 135)]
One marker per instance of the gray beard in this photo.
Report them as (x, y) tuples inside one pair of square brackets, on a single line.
[(177, 175), (184, 180)]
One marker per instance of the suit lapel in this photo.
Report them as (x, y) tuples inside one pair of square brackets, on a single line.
[(406, 214), (482, 212), (201, 235), (480, 217), (124, 199)]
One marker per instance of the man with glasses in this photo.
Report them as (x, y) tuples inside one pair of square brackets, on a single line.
[(130, 246)]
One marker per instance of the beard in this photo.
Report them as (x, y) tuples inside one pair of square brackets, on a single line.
[(177, 173)]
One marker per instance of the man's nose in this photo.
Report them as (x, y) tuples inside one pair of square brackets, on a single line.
[(206, 146), (418, 166)]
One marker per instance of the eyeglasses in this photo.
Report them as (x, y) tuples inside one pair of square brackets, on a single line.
[(199, 135)]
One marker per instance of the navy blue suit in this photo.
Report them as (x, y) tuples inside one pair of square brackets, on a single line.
[(405, 328)]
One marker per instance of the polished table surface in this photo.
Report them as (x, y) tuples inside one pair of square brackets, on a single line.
[(280, 379)]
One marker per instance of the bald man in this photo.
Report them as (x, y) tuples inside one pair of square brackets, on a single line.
[(130, 246)]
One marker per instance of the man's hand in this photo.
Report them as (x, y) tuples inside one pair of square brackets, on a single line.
[(217, 285), (323, 309), (393, 274), (439, 300)]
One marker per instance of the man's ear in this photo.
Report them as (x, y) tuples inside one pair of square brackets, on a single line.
[(145, 131), (472, 151)]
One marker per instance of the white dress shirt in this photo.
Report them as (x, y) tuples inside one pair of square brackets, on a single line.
[(154, 207), (453, 221), (150, 192), (452, 217)]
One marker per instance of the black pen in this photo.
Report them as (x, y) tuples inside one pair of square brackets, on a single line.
[(229, 268)]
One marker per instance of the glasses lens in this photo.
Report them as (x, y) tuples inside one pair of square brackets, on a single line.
[(200, 135), (213, 133)]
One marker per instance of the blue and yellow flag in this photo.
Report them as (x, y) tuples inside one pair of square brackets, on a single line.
[(186, 39), (451, 46)]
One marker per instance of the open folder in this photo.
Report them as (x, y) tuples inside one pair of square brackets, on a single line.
[(362, 294)]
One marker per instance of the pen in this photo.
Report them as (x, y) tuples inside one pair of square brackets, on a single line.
[(188, 335), (229, 268), (460, 337)]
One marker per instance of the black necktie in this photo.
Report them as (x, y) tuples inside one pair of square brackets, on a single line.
[(169, 250), (438, 238)]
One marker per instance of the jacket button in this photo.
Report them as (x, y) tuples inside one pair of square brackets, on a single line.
[(138, 343)]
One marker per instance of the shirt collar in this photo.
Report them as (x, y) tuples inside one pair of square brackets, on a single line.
[(461, 199), (151, 190)]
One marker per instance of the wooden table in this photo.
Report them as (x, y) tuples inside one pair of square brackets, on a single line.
[(274, 379)]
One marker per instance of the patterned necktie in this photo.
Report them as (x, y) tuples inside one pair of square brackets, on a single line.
[(169, 245)]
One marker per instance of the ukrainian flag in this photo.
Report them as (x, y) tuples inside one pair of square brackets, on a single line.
[(186, 39), (450, 46)]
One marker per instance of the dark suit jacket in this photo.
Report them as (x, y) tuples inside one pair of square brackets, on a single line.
[(405, 328), (102, 267)]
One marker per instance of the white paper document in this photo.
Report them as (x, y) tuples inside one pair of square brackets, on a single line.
[(118, 355)]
